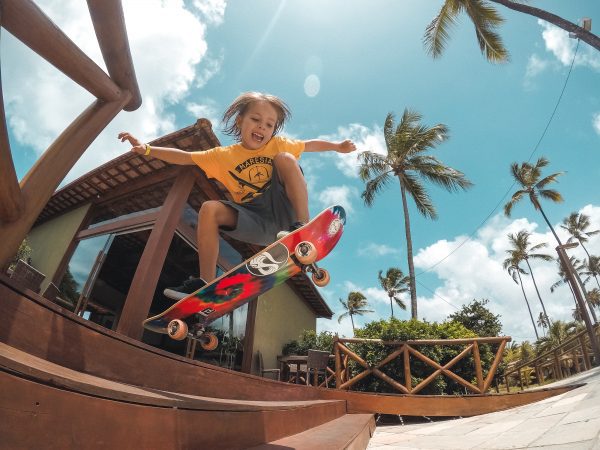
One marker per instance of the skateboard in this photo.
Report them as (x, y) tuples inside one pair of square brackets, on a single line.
[(294, 253)]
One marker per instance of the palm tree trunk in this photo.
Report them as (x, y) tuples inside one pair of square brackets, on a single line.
[(538, 292), (409, 255), (581, 33), (392, 306), (548, 223), (352, 320), (537, 336)]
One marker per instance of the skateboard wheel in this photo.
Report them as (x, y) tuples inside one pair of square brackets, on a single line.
[(209, 342), (177, 329), (306, 253), (321, 277)]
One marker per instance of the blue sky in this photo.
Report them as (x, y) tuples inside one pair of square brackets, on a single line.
[(342, 65)]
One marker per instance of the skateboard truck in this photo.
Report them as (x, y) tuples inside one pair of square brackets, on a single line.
[(306, 254), (178, 330)]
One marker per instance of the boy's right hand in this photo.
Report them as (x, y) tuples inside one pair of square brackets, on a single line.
[(136, 145)]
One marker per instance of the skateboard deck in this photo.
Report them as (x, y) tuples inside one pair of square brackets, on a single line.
[(286, 257)]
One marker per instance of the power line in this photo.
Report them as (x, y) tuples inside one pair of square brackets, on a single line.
[(469, 238)]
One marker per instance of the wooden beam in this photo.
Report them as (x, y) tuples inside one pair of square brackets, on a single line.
[(11, 200), (143, 285), (51, 168), (28, 23), (109, 23)]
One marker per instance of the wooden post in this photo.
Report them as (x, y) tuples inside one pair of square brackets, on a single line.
[(145, 279), (478, 371), (407, 374), (586, 355), (338, 362), (558, 373)]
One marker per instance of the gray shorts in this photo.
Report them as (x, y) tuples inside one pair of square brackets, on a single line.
[(260, 219)]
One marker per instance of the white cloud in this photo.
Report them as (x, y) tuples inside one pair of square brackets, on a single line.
[(207, 110), (168, 47), (365, 138), (535, 66), (563, 48), (213, 11), (596, 122), (472, 269), (338, 195), (374, 250)]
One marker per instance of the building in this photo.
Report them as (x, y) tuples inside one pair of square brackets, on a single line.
[(113, 239)]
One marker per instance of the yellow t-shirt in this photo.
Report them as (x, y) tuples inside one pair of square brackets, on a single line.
[(245, 173)]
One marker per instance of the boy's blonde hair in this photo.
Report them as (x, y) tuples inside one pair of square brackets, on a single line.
[(240, 105)]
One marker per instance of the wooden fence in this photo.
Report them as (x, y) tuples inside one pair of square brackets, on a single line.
[(574, 354), (407, 349)]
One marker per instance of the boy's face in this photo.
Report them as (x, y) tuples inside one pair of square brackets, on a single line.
[(257, 124)]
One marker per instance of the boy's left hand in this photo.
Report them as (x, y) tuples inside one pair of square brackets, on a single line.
[(346, 146)]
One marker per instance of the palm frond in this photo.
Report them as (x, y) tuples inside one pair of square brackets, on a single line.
[(374, 187), (516, 197), (437, 32), (371, 164), (485, 20), (551, 194), (415, 188), (547, 180)]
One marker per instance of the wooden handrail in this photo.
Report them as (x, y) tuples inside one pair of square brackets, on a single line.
[(403, 352), (554, 355)]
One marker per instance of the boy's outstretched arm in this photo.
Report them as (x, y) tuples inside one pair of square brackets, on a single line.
[(170, 155), (318, 145)]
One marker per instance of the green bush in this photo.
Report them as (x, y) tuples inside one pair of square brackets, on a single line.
[(309, 339)]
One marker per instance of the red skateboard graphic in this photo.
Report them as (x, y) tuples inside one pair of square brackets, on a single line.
[(295, 252)]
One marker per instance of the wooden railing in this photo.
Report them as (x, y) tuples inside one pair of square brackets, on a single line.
[(407, 349), (555, 363)]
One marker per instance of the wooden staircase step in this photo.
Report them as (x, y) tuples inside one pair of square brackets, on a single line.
[(44, 402), (351, 431), (53, 374)]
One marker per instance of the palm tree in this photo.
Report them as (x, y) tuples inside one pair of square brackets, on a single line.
[(577, 226), (521, 251), (528, 177), (592, 268), (557, 333), (579, 269), (543, 322), (486, 20), (594, 297), (394, 283), (354, 305), (405, 159), (514, 270), (564, 278)]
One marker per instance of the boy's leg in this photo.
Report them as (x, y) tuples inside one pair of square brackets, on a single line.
[(213, 215), (293, 181)]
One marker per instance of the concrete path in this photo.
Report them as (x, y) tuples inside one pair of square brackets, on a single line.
[(569, 421)]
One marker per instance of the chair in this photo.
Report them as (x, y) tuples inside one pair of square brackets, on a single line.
[(27, 276), (317, 362), (53, 293), (263, 371)]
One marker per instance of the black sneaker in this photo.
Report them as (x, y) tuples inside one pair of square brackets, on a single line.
[(293, 227), (188, 286)]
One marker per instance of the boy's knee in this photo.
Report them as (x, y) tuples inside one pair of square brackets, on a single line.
[(284, 160), (209, 209)]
